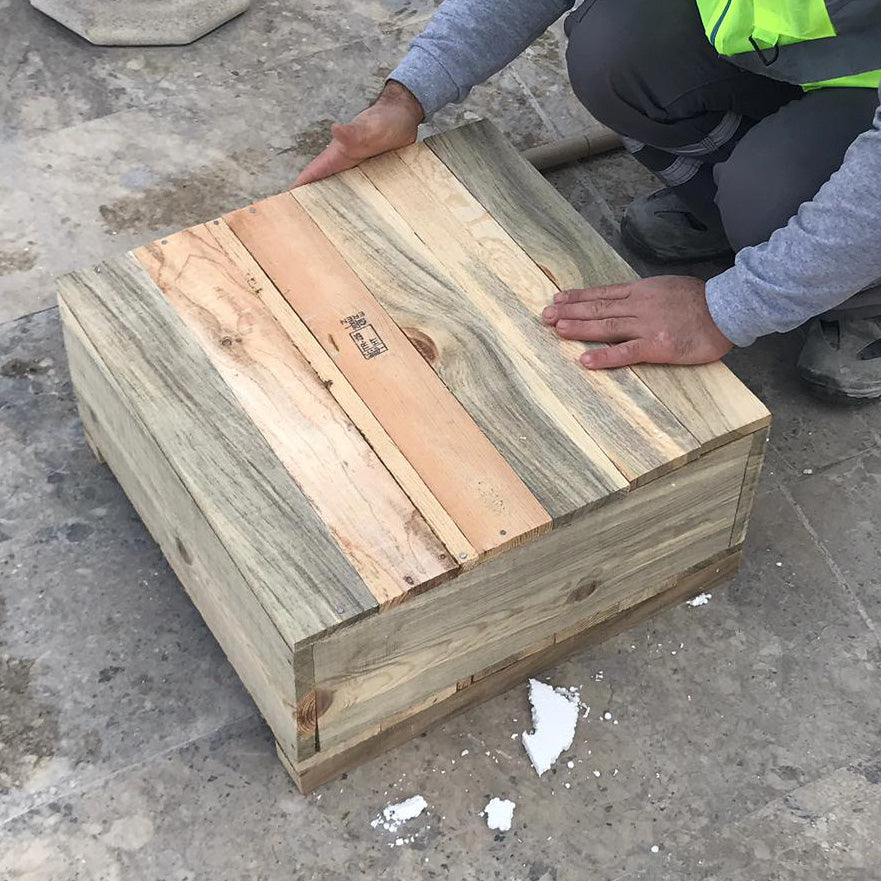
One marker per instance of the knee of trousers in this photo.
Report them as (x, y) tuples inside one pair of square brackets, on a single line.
[(605, 61), (755, 195)]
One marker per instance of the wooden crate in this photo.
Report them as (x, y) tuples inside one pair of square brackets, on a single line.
[(389, 490)]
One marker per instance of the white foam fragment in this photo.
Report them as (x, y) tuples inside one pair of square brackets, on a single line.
[(554, 717), (394, 816), (700, 600), (499, 814)]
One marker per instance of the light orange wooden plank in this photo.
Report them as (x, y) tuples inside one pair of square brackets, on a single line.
[(480, 491), (366, 512), (339, 387), (633, 428)]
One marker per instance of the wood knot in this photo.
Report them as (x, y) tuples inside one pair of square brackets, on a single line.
[(423, 343), (311, 708), (182, 550), (583, 590)]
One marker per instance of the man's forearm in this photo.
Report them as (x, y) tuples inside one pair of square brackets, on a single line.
[(830, 250), (467, 41)]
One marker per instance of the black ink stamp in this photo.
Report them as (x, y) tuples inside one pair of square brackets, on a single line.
[(364, 335)]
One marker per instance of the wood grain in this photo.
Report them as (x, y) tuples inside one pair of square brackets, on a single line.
[(709, 400), (589, 569), (241, 625), (481, 493), (212, 283), (331, 762), (271, 531), (633, 428), (340, 388), (485, 363), (750, 484)]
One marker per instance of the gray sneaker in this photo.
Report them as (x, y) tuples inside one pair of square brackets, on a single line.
[(662, 228), (841, 358)]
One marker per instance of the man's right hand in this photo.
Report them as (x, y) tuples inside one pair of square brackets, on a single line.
[(389, 123)]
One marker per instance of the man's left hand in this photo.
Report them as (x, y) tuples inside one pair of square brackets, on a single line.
[(660, 320)]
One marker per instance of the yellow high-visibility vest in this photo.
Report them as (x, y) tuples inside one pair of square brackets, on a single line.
[(812, 43)]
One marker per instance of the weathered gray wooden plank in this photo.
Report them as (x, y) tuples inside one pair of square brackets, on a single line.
[(709, 400), (269, 528)]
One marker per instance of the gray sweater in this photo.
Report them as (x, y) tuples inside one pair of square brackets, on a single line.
[(830, 250)]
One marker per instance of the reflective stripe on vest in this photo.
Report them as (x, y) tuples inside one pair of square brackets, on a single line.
[(810, 43)]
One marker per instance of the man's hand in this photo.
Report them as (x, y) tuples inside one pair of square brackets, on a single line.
[(661, 320), (391, 122)]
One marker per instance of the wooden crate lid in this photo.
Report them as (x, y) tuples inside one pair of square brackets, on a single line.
[(371, 403)]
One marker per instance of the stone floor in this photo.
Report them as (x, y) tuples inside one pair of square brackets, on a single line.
[(748, 743)]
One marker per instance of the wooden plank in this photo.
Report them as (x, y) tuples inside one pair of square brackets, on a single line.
[(250, 501), (481, 493), (750, 485), (330, 763), (587, 570), (241, 625), (211, 282), (709, 401), (475, 349), (336, 383), (633, 428)]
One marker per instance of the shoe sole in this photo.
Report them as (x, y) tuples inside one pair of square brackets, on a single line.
[(831, 394)]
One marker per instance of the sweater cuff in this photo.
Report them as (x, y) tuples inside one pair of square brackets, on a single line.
[(726, 310), (427, 79)]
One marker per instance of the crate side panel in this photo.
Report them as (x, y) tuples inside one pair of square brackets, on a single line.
[(750, 485), (708, 400), (261, 516), (331, 762), (217, 588), (588, 570)]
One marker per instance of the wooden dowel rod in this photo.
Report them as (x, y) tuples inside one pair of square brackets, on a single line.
[(568, 150)]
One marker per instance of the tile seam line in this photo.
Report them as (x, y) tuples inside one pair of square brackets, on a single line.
[(105, 778), (837, 574)]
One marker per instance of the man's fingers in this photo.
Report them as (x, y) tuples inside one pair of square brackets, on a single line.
[(605, 292), (587, 310), (631, 352), (603, 330), (331, 160)]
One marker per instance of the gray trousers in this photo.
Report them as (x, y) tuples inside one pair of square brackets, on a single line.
[(742, 150)]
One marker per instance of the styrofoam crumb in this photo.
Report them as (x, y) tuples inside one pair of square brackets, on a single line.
[(394, 816), (499, 814), (700, 600), (464, 752), (554, 717)]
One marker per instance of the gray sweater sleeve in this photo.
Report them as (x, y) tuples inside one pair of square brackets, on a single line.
[(467, 41), (830, 250)]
